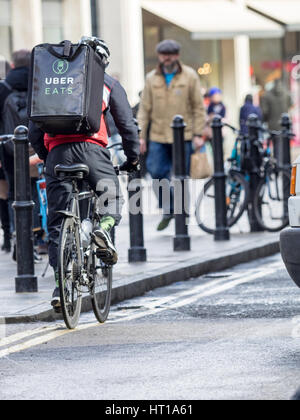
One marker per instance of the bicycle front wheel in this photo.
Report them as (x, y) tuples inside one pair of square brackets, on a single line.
[(101, 286), (237, 195), (271, 200), (69, 271)]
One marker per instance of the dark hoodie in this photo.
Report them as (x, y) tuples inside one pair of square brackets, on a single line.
[(274, 103), (17, 80)]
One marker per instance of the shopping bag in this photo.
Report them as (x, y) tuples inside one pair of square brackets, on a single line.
[(200, 166)]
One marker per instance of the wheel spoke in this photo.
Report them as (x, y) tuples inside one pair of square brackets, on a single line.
[(68, 274)]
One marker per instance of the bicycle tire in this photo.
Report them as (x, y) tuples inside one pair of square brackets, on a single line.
[(257, 204), (67, 267), (232, 220), (101, 300)]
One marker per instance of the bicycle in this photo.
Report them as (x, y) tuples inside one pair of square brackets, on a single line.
[(237, 192), (269, 197), (80, 266)]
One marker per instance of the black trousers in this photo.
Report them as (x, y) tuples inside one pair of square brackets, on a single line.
[(102, 179), (4, 211), (5, 220)]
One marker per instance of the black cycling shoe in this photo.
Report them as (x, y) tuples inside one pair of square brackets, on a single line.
[(55, 302), (106, 250), (14, 255)]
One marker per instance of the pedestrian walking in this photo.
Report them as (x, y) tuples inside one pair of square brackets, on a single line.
[(274, 103), (172, 88), (247, 109), (4, 213), (216, 106), (13, 112)]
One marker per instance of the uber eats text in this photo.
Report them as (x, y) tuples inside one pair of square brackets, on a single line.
[(59, 85)]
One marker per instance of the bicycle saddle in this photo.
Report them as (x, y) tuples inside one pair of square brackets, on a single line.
[(78, 171)]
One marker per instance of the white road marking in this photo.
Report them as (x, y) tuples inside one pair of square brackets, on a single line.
[(44, 339), (213, 290), (196, 289), (25, 334), (191, 295)]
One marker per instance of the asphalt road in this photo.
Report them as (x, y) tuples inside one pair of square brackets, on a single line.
[(233, 335)]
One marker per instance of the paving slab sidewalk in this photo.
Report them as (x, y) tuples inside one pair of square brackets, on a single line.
[(163, 267)]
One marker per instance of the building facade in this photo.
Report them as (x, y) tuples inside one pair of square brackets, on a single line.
[(228, 44)]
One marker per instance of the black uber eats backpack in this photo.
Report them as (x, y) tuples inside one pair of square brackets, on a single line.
[(66, 88)]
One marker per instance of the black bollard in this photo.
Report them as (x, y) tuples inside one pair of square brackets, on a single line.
[(222, 231), (254, 132), (182, 240), (137, 251), (26, 281), (285, 162), (287, 135)]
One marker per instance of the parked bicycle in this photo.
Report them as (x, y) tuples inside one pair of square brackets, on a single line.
[(41, 232), (270, 197)]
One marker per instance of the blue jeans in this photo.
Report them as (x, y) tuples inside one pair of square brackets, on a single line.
[(160, 164)]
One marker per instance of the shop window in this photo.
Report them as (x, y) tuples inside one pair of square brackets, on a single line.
[(266, 60)]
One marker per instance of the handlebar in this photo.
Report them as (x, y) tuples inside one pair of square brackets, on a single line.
[(6, 138), (235, 130), (272, 133)]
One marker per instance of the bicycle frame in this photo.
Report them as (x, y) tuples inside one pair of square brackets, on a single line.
[(74, 212), (42, 194)]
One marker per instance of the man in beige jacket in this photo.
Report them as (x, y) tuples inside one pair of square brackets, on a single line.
[(171, 89)]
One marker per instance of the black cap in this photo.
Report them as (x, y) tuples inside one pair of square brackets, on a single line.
[(169, 46)]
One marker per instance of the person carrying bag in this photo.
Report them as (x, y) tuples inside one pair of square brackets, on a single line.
[(201, 168)]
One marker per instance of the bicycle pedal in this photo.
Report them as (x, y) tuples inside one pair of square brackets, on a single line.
[(103, 253), (58, 310)]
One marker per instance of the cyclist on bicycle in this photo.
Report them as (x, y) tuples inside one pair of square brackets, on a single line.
[(90, 150)]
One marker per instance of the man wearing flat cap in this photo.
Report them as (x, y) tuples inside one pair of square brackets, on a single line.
[(171, 89)]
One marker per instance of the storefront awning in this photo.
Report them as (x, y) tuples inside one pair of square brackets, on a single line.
[(213, 19), (285, 11)]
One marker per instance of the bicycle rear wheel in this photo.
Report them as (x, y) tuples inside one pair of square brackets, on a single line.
[(101, 285), (270, 202), (69, 271), (237, 195)]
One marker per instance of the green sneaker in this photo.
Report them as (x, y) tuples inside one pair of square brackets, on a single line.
[(165, 223), (55, 302), (107, 223)]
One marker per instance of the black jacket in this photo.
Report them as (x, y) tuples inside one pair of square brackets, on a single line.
[(122, 115), (17, 80)]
